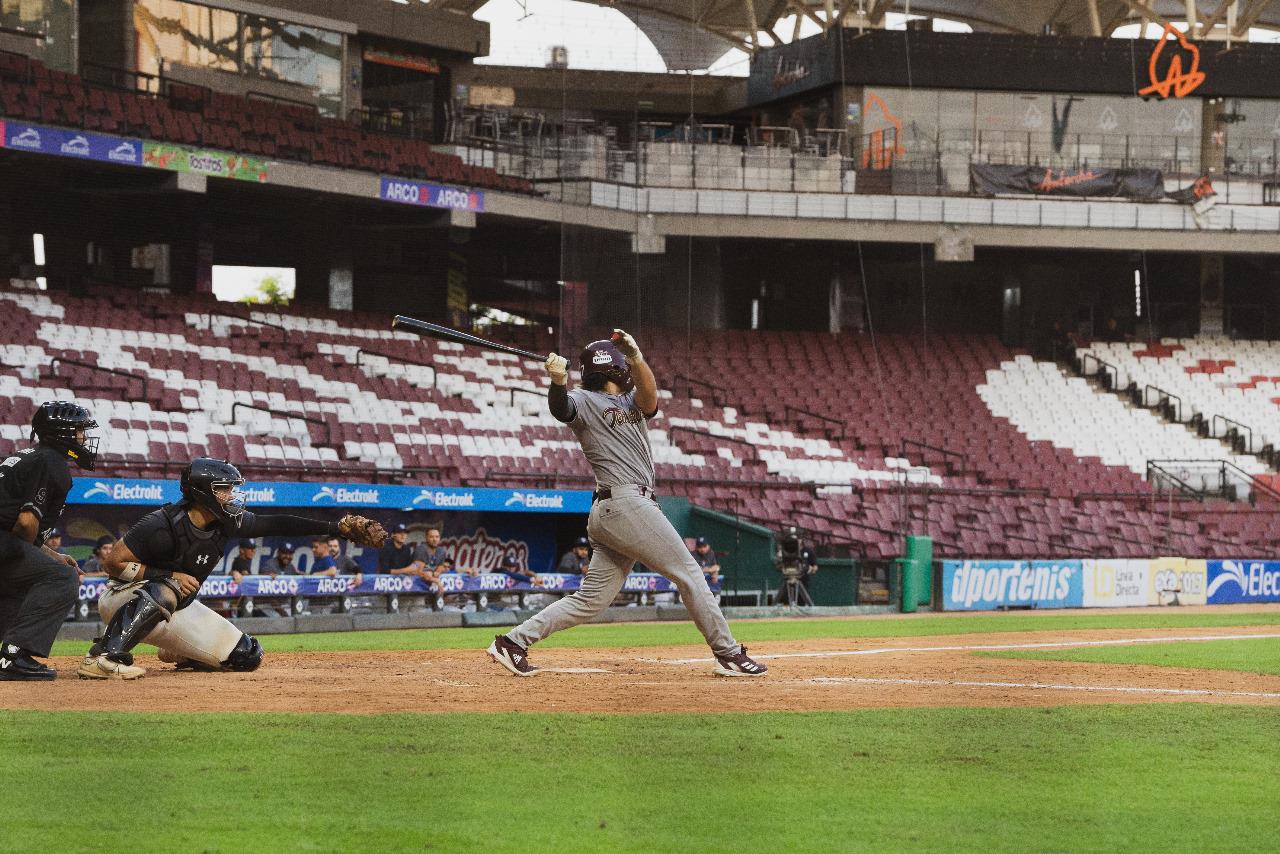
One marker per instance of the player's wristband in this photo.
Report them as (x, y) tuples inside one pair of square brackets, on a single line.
[(131, 571)]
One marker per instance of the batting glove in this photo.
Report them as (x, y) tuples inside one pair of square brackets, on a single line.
[(627, 345), (557, 368)]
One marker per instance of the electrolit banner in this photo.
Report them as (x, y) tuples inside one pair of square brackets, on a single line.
[(984, 585), (431, 195), (282, 494), (1232, 581), (72, 143), (288, 586)]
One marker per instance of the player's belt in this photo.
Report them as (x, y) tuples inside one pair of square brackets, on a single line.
[(619, 491)]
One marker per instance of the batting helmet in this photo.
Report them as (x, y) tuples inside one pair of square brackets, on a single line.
[(603, 362), (57, 423), (201, 480)]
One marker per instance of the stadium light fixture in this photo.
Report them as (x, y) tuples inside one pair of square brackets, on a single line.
[(37, 249), (1137, 292)]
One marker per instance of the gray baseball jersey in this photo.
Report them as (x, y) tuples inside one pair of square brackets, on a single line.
[(613, 436)]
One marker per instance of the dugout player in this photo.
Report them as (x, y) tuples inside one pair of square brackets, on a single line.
[(37, 584), (159, 565), (626, 525)]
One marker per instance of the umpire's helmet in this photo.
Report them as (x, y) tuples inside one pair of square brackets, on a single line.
[(56, 424), (201, 479), (603, 362)]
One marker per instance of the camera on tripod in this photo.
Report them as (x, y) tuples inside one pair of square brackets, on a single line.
[(794, 564)]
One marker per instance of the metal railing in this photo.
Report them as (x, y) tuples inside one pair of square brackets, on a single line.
[(1165, 402), (364, 351), (718, 393), (955, 462), (837, 433), (1240, 436), (55, 361), (1109, 371), (412, 122), (280, 413), (1203, 479), (540, 395)]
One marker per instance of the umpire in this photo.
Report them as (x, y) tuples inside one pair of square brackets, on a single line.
[(37, 584)]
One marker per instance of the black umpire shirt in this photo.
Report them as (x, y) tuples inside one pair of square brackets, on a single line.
[(35, 479), (166, 541)]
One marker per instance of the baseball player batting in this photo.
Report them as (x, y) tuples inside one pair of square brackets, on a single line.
[(608, 416), (157, 568)]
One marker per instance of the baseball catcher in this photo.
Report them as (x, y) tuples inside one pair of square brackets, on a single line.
[(159, 565)]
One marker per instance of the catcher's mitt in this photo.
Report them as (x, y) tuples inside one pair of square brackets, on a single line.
[(362, 531)]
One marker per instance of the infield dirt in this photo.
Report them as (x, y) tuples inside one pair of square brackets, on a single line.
[(852, 673)]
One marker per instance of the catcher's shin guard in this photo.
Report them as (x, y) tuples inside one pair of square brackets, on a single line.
[(132, 622)]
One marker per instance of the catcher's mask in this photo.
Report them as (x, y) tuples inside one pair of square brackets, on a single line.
[(215, 486), (602, 362)]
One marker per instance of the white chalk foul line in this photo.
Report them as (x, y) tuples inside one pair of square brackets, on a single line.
[(572, 670), (975, 647), (1120, 689)]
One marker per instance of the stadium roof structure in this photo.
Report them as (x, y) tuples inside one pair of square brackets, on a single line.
[(692, 34)]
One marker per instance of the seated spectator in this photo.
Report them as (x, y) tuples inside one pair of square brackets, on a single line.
[(281, 563), (346, 563), (54, 540), (93, 566), (707, 559), (512, 569), (575, 560), (428, 556), (396, 557), (429, 551), (242, 565), (322, 562)]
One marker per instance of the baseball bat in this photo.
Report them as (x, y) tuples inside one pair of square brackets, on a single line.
[(448, 333)]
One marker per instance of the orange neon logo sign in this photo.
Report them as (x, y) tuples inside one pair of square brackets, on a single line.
[(880, 154), (1175, 81)]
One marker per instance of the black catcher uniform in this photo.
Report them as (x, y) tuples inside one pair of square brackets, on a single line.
[(145, 601), (37, 585)]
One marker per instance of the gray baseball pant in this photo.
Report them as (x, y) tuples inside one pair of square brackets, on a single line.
[(625, 529)]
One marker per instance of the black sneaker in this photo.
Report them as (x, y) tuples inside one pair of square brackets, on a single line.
[(16, 664), (512, 656), (739, 665)]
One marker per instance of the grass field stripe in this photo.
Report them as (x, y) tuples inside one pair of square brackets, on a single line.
[(977, 647), (1040, 686)]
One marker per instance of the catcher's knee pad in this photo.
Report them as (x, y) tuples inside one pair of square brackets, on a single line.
[(246, 656), (149, 604)]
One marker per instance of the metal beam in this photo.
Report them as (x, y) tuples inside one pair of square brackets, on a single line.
[(1250, 15), (1216, 18), (1095, 23), (754, 24), (876, 15), (1148, 14)]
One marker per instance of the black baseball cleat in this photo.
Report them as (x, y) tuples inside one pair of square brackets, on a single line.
[(512, 656), (739, 664), (16, 664)]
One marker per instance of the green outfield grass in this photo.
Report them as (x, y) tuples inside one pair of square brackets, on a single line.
[(1154, 777), (749, 631), (1260, 655)]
